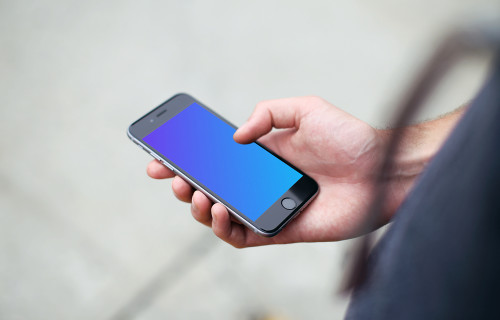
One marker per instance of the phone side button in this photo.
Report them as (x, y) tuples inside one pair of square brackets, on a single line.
[(153, 155), (167, 164)]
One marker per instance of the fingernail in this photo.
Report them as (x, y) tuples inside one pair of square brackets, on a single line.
[(194, 207)]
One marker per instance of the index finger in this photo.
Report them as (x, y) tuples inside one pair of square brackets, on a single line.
[(279, 113)]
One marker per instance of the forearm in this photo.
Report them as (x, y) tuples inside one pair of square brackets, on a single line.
[(419, 143)]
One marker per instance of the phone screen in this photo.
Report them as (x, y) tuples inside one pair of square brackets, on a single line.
[(247, 177)]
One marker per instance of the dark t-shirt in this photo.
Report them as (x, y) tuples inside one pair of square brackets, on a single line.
[(440, 258)]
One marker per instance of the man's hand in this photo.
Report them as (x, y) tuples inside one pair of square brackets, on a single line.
[(337, 150)]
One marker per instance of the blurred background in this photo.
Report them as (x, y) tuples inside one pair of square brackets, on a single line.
[(85, 234)]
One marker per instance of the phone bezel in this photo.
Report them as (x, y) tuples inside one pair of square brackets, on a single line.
[(273, 219)]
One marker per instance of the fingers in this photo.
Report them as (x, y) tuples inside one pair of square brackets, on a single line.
[(200, 208), (182, 190), (156, 170), (215, 216), (234, 233), (223, 228), (280, 113)]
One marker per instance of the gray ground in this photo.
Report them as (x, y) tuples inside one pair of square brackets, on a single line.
[(84, 234)]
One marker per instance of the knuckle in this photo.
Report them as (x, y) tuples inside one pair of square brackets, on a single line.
[(315, 100), (237, 245), (199, 197), (262, 105), (196, 214), (219, 234), (181, 197)]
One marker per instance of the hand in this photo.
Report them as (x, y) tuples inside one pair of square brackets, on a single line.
[(339, 151)]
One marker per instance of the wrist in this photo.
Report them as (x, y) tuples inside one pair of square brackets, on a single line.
[(412, 154)]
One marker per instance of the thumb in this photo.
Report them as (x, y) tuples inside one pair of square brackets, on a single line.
[(279, 113)]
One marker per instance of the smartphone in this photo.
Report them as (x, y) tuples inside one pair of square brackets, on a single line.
[(259, 188)]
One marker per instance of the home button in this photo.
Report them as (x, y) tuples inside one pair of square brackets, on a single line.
[(288, 203)]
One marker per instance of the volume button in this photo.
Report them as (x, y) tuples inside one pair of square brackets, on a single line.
[(167, 164), (155, 156)]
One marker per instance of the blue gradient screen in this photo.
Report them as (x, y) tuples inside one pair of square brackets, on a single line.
[(246, 176)]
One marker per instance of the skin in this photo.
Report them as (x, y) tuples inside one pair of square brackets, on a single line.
[(340, 152)]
